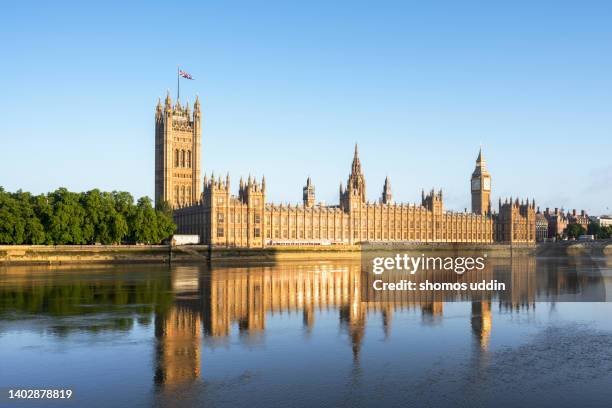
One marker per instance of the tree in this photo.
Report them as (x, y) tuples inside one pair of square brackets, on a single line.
[(66, 225), (144, 222), (12, 227), (64, 217), (33, 229), (599, 231), (575, 230)]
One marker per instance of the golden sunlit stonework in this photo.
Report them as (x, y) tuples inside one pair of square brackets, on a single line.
[(247, 220)]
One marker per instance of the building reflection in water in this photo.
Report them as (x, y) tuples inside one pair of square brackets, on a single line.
[(177, 332), (210, 301)]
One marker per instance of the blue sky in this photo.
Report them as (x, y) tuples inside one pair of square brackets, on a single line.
[(289, 87)]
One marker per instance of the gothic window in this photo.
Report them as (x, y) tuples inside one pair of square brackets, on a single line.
[(176, 158), (257, 219), (176, 193), (183, 194), (257, 233), (220, 232), (189, 158), (182, 158)]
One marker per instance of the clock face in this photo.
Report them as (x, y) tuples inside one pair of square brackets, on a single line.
[(476, 184), (487, 183)]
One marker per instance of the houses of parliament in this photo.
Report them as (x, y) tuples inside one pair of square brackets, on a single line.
[(247, 220)]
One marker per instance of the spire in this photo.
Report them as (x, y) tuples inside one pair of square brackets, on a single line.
[(356, 167), (480, 162), (168, 101), (196, 105), (386, 194), (263, 183), (480, 168)]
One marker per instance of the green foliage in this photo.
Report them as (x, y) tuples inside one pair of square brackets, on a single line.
[(63, 217), (575, 230), (600, 232)]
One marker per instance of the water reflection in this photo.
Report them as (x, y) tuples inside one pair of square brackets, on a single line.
[(194, 307)]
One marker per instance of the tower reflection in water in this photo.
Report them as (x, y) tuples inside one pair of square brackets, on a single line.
[(211, 301)]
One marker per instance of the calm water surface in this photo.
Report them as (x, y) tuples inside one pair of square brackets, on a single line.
[(298, 334)]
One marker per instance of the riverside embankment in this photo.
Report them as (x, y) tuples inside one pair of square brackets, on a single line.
[(75, 254)]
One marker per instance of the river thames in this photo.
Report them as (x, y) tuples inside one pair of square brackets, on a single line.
[(299, 334)]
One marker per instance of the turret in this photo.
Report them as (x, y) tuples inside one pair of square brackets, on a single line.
[(387, 197), (158, 110), (308, 194), (196, 105), (168, 101)]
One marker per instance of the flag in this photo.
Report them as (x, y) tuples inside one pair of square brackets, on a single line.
[(184, 74)]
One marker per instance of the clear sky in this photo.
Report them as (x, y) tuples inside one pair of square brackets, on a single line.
[(289, 87)]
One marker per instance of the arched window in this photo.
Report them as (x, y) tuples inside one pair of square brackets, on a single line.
[(182, 158), (176, 191), (189, 158), (176, 158), (183, 194)]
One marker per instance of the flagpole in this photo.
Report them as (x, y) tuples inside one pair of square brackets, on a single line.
[(178, 83)]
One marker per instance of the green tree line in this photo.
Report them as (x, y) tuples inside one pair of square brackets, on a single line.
[(64, 217), (598, 231)]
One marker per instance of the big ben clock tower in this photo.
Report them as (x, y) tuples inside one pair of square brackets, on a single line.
[(481, 187)]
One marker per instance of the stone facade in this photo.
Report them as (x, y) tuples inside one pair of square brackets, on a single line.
[(541, 227), (177, 153), (247, 220)]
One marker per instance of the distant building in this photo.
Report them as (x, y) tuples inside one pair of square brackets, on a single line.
[(557, 222), (581, 218), (602, 220), (541, 227)]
